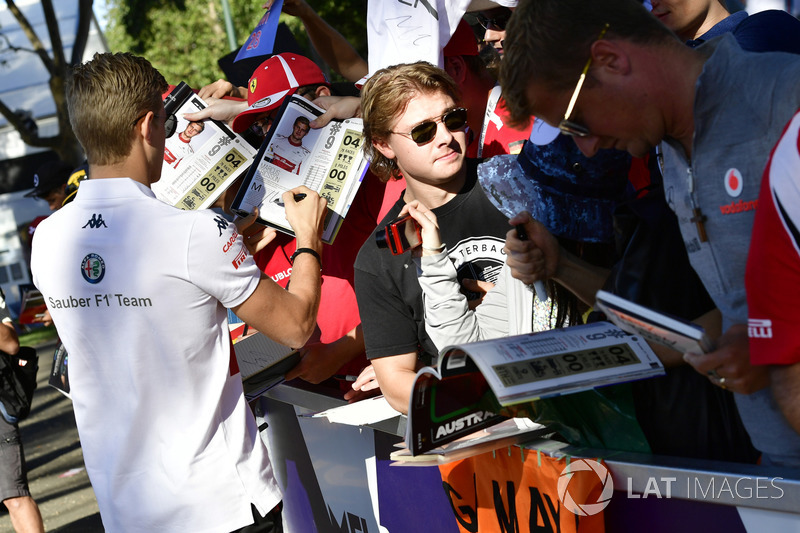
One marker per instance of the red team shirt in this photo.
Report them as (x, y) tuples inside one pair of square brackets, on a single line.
[(773, 265), (338, 311)]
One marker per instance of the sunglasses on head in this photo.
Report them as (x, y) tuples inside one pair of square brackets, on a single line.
[(170, 124), (495, 23), (423, 133)]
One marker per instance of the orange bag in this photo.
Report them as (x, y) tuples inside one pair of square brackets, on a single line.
[(516, 490)]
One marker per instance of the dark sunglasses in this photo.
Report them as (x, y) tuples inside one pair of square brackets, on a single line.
[(423, 133), (170, 124), (496, 23)]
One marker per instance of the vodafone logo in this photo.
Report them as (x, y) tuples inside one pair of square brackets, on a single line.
[(733, 182), (590, 468)]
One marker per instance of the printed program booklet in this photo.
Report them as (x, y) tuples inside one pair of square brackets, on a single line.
[(328, 160), (673, 332), (32, 306), (460, 395), (263, 363), (501, 435), (203, 162)]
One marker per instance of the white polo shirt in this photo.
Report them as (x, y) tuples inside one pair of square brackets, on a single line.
[(136, 289)]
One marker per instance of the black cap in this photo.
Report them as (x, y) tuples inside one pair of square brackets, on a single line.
[(49, 176)]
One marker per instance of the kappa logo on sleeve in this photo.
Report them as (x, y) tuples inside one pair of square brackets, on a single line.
[(222, 223), (95, 222)]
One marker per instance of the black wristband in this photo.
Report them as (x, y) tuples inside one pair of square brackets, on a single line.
[(306, 251)]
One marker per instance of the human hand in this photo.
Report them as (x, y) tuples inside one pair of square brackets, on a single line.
[(535, 258), (255, 236), (429, 226), (45, 319), (364, 386), (729, 365), (306, 216), (221, 88), (218, 109), (477, 286), (339, 107), (318, 362)]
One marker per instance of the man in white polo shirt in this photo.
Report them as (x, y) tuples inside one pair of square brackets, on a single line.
[(138, 291)]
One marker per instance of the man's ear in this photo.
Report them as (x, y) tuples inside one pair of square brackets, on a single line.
[(457, 68), (610, 57), (145, 126), (383, 147), (322, 90)]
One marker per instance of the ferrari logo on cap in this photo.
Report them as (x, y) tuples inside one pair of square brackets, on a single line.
[(253, 83), (733, 182)]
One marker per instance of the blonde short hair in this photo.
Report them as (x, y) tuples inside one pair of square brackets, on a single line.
[(386, 95), (105, 96)]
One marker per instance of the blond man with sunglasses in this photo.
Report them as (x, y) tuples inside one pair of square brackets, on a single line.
[(415, 128), (138, 291)]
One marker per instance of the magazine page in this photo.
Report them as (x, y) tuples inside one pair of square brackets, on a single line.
[(262, 362), (670, 331), (201, 159), (554, 362), (502, 434), (442, 410), (328, 160)]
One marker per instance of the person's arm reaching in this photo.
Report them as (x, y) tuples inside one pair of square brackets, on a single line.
[(224, 109), (331, 45), (395, 375), (320, 361), (221, 89), (9, 341), (290, 316)]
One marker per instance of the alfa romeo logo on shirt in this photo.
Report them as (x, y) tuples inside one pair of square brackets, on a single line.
[(93, 268)]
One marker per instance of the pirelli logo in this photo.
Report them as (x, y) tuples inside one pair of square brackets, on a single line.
[(237, 262), (759, 328)]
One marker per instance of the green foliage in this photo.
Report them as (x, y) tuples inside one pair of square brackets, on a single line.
[(184, 39), (37, 336)]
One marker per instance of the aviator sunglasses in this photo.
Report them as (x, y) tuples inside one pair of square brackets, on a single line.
[(496, 23), (170, 124), (567, 126), (423, 133)]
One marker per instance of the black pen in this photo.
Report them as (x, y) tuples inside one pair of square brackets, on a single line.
[(345, 377), (297, 197)]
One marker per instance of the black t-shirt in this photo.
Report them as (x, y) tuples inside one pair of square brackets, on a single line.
[(388, 293)]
